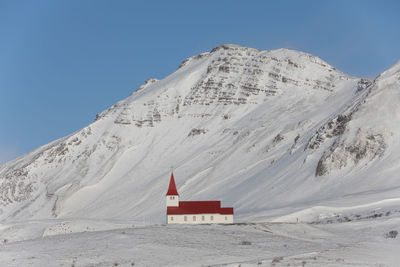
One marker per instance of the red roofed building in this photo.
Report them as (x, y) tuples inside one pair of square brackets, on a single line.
[(194, 212)]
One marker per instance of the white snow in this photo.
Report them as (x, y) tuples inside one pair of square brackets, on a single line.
[(278, 244), (280, 135)]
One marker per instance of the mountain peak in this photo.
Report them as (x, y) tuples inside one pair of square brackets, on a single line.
[(228, 75), (234, 122), (231, 47)]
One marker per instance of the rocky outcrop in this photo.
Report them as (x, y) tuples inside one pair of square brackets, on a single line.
[(364, 147), (237, 74)]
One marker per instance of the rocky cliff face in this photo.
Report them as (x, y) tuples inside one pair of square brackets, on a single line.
[(260, 130), (365, 129)]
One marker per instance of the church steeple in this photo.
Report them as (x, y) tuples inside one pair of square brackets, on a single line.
[(172, 187), (172, 194)]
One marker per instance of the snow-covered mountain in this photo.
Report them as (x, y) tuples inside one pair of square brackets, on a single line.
[(267, 132)]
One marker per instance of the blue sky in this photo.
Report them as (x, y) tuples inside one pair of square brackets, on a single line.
[(62, 62)]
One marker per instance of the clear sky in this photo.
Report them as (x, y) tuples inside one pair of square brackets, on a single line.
[(62, 62)]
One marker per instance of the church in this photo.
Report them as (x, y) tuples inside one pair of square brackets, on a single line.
[(194, 212)]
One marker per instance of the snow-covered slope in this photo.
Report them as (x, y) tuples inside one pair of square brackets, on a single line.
[(268, 132)]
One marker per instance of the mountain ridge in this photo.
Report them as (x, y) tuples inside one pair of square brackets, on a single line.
[(267, 131)]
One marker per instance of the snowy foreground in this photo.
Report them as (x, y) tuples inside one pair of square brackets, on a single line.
[(355, 243), (280, 135)]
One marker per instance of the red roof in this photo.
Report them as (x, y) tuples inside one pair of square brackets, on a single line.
[(172, 187), (199, 207)]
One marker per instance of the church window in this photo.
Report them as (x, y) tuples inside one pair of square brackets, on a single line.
[(212, 218), (185, 218), (202, 218), (194, 218), (172, 218), (226, 218)]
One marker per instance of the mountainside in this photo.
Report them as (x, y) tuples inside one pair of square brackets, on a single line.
[(267, 132)]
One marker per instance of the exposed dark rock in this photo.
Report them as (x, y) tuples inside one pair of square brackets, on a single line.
[(15, 187), (392, 234), (148, 82), (194, 132), (333, 128), (277, 139), (363, 84), (156, 115), (183, 63), (341, 154), (321, 168)]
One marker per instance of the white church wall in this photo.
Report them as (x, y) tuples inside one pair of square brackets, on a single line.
[(199, 219), (172, 201)]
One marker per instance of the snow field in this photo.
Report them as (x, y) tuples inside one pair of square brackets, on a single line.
[(254, 244)]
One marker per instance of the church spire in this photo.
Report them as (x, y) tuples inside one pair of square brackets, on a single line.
[(172, 187)]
